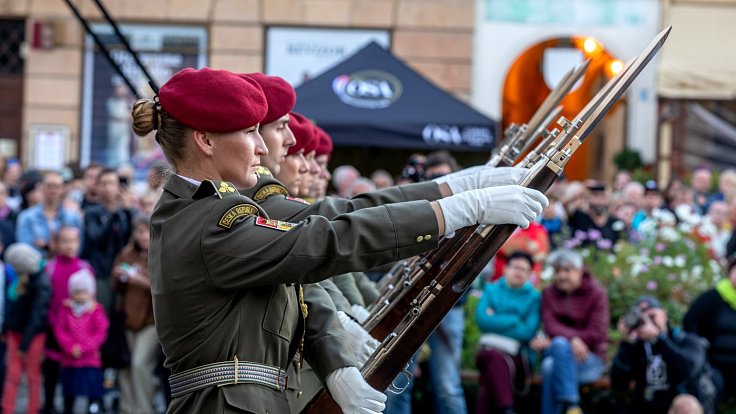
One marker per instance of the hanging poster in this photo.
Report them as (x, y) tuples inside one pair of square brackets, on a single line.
[(107, 137)]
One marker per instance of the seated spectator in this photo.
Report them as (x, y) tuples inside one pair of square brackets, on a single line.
[(661, 363), (575, 317), (713, 316), (509, 308)]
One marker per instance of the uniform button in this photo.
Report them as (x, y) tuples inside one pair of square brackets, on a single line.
[(299, 394), (420, 239), (427, 237)]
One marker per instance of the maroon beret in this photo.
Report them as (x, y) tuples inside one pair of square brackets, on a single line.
[(279, 94), (213, 100), (325, 145), (303, 130)]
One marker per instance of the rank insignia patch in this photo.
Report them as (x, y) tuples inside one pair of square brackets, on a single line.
[(274, 224), (268, 191), (297, 199), (263, 171), (226, 187), (236, 212)]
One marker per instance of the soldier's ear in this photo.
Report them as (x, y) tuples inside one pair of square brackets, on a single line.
[(202, 142)]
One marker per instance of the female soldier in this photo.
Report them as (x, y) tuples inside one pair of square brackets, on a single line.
[(222, 273)]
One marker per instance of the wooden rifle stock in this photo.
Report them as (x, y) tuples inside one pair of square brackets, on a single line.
[(392, 312)]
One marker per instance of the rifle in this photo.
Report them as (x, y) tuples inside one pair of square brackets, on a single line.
[(389, 310), (517, 139), (444, 291)]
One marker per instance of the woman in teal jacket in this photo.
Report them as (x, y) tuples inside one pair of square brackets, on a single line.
[(509, 315)]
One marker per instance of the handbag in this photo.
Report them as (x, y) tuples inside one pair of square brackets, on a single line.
[(500, 343)]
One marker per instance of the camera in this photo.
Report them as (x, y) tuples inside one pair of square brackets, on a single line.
[(633, 318)]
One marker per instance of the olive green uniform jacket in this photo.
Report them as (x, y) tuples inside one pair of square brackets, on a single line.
[(222, 278)]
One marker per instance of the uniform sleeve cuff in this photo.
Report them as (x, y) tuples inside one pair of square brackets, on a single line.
[(416, 227), (328, 354)]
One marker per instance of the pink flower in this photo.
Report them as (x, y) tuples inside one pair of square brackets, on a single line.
[(594, 234), (660, 247), (651, 285), (604, 244)]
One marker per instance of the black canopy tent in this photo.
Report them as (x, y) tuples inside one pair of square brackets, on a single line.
[(372, 99)]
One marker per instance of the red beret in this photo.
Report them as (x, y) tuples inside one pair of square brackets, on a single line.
[(325, 145), (279, 94), (213, 100), (303, 130)]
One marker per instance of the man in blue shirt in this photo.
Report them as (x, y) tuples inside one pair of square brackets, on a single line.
[(37, 224)]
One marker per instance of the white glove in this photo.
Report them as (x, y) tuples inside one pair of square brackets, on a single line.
[(361, 342), (511, 204), (353, 394), (481, 176), (360, 312)]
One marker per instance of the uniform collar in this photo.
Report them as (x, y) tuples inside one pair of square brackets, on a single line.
[(183, 187)]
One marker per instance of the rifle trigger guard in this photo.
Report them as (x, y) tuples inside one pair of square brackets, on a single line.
[(398, 390)]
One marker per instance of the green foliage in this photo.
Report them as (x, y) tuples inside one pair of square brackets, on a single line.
[(672, 263), (472, 332), (628, 159)]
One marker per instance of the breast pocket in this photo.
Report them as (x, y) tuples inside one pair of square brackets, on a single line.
[(282, 314)]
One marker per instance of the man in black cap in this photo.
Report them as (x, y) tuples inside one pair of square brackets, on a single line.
[(668, 367), (594, 213)]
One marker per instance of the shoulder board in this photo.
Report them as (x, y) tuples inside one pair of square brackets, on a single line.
[(274, 224), (236, 212)]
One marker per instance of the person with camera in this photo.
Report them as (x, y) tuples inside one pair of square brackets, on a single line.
[(662, 363)]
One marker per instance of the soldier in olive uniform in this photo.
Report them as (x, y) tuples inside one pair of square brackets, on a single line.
[(273, 196), (228, 312)]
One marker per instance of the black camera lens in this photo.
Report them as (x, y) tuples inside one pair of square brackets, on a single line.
[(633, 318)]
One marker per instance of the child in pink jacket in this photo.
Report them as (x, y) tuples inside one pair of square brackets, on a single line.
[(81, 328)]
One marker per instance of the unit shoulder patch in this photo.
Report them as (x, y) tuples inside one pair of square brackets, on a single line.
[(236, 212), (274, 224), (269, 190)]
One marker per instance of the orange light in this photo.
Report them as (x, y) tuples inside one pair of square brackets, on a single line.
[(615, 66), (590, 45)]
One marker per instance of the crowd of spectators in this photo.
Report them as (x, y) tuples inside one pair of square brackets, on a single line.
[(75, 290), (563, 328), (77, 310)]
